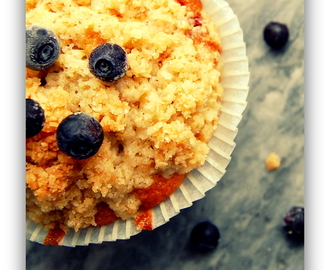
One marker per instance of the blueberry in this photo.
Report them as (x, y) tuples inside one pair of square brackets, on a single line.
[(294, 222), (204, 236), (276, 35), (42, 47), (108, 62), (35, 118), (79, 135)]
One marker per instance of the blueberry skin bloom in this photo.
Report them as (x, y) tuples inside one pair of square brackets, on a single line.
[(79, 135), (276, 35), (204, 236), (108, 62), (34, 118), (42, 47)]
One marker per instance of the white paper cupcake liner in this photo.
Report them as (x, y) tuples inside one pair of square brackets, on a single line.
[(235, 79)]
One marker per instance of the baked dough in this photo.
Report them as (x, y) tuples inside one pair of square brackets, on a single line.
[(157, 119)]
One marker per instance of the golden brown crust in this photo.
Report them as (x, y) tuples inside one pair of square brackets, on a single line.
[(157, 119)]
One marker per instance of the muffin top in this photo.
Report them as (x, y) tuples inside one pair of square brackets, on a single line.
[(156, 115)]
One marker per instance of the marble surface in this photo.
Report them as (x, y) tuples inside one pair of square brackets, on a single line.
[(249, 202)]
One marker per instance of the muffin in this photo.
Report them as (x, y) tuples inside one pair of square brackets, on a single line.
[(154, 119)]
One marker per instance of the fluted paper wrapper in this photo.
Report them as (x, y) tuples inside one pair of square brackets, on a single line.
[(235, 78)]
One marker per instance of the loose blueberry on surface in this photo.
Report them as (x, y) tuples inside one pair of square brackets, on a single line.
[(35, 118), (276, 35), (79, 135), (108, 62), (294, 222), (204, 236), (42, 47)]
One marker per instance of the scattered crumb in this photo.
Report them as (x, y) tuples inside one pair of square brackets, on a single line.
[(273, 161)]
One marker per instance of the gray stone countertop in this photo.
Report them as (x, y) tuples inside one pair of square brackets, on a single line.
[(249, 202)]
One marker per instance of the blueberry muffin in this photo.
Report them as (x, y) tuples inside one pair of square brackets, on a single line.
[(124, 97)]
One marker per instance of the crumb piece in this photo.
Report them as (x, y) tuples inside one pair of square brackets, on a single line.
[(273, 161)]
